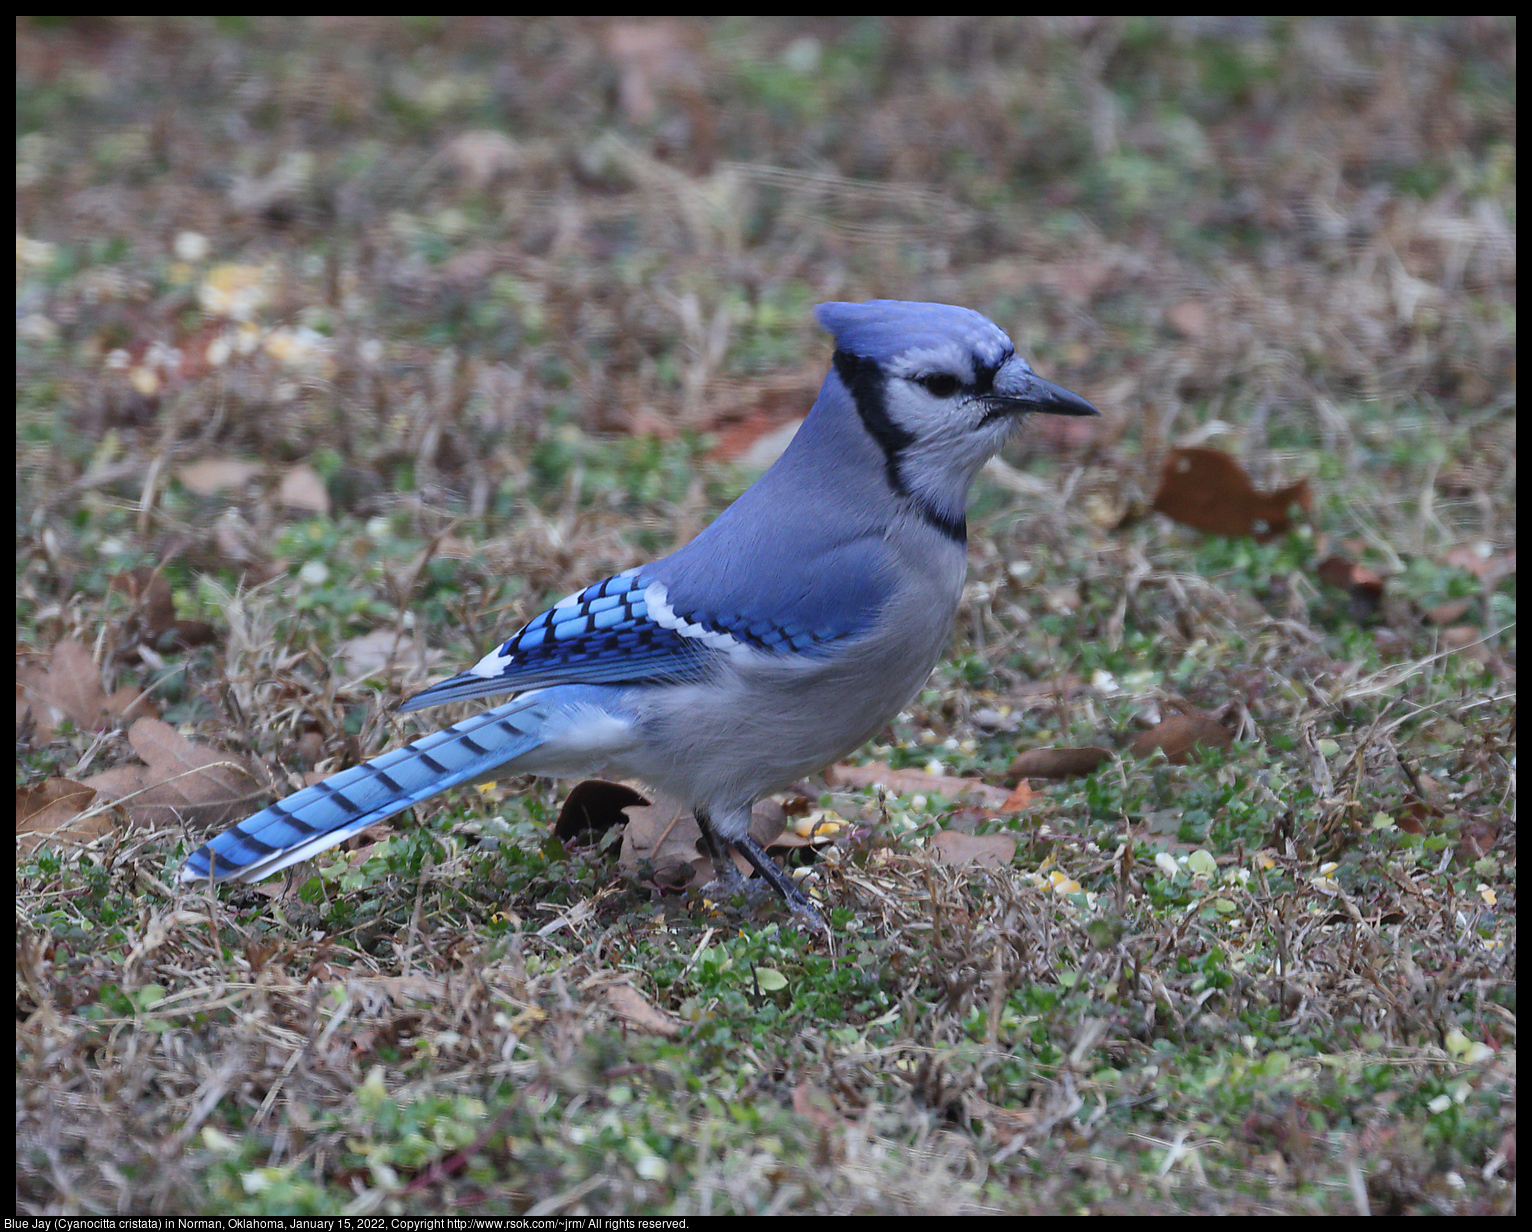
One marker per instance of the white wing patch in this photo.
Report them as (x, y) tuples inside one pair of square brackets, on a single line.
[(492, 664), (664, 615)]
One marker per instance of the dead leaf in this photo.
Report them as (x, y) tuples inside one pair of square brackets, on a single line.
[(651, 57), (1477, 840), (1021, 798), (1179, 734), (1210, 491), (1059, 763), (209, 476), (482, 156), (661, 834), (1481, 560), (155, 608), (302, 488), (664, 834), (1364, 586), (640, 1013), (70, 688), (985, 850), (592, 808), (1467, 640), (51, 812), (181, 781), (1189, 318), (360, 657), (907, 782), (816, 1105), (185, 634), (149, 591), (1447, 613)]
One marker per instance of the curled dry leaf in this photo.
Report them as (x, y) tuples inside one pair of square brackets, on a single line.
[(1058, 763), (1363, 585), (664, 836), (592, 808), (209, 476), (1210, 491), (149, 591), (1180, 734), (1482, 561), (1448, 613), (1020, 799)]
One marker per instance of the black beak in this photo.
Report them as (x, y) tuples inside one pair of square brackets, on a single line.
[(1018, 390)]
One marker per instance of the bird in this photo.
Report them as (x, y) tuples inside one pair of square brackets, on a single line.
[(781, 638)]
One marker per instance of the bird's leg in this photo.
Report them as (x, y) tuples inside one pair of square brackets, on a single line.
[(725, 875), (800, 903)]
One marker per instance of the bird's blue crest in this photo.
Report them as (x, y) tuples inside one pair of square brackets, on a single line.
[(908, 335)]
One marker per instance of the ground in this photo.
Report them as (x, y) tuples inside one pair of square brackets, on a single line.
[(1188, 882)]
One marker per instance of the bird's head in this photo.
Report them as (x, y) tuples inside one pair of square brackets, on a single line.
[(939, 388)]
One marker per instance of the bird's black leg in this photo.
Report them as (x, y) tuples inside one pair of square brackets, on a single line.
[(802, 906), (725, 874)]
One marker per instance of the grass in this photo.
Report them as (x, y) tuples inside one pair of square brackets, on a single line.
[(454, 315)]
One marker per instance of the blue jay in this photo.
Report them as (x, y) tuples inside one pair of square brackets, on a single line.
[(782, 637)]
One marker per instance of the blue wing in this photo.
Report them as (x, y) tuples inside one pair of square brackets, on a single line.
[(620, 631), (669, 620)]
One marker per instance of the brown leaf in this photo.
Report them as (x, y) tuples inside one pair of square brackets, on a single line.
[(302, 488), (149, 591), (1447, 613), (1364, 586), (70, 688), (1189, 318), (662, 834), (51, 811), (1477, 840), (985, 850), (185, 634), (817, 1106), (906, 782), (592, 808), (373, 652), (1021, 798), (1418, 816), (1209, 490), (651, 57), (642, 1014), (181, 781), (1179, 734), (480, 156), (1480, 561), (665, 835), (209, 476), (1468, 640), (1058, 763)]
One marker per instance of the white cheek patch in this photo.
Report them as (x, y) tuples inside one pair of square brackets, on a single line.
[(660, 611), (924, 416)]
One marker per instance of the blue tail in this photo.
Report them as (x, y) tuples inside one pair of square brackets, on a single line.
[(319, 817)]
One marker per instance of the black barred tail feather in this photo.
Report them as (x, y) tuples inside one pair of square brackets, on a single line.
[(319, 817)]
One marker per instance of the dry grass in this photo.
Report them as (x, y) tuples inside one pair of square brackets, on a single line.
[(470, 301)]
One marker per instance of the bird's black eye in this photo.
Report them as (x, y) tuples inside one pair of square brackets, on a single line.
[(939, 384)]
